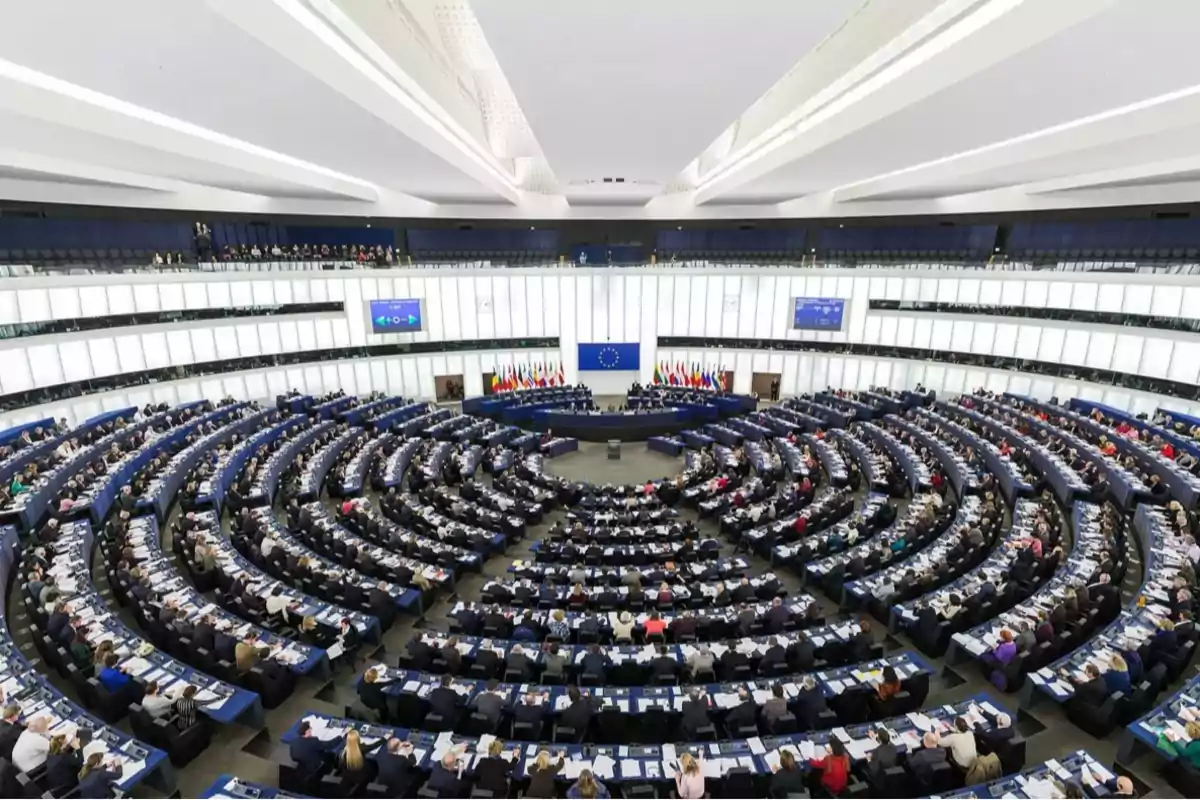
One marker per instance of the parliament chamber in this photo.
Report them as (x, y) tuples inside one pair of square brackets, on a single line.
[(881, 576), (521, 398)]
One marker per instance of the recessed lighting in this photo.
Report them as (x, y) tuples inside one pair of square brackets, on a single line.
[(678, 227), (841, 226), (532, 228)]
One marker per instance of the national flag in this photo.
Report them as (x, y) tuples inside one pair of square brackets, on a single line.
[(658, 376), (495, 383), (562, 376), (706, 379), (680, 372), (694, 377)]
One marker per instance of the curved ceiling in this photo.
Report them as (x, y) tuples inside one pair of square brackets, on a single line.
[(540, 109)]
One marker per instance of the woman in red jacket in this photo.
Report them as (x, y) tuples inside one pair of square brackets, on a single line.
[(835, 767)]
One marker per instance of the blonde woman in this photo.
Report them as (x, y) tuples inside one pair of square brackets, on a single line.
[(491, 773), (558, 626), (1189, 751), (1116, 677), (689, 777), (542, 774), (588, 787), (350, 761)]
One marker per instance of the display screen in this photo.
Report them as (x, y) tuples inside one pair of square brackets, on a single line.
[(396, 316), (818, 313)]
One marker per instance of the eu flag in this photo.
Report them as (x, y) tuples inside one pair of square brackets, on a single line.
[(618, 356)]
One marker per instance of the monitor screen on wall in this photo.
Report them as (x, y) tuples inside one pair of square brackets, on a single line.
[(396, 316), (818, 313)]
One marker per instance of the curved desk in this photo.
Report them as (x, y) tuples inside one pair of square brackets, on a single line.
[(37, 696), (624, 425)]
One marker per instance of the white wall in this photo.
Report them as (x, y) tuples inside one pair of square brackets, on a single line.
[(597, 305)]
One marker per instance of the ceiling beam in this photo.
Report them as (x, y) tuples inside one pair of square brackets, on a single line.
[(974, 37), (30, 93), (1178, 109), (331, 48)]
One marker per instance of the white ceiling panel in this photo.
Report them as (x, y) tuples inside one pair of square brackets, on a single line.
[(184, 61), (631, 89), (1121, 55)]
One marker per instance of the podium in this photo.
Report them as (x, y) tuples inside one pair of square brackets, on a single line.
[(614, 449)]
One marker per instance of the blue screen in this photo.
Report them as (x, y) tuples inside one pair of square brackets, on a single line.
[(623, 356), (396, 316), (819, 313)]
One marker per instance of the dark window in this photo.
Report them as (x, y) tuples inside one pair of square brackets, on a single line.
[(22, 329), (1033, 312)]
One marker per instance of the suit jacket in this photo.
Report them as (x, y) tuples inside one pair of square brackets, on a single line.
[(883, 757), (492, 773), (1092, 693), (445, 782), (444, 702), (9, 733), (395, 772), (742, 714), (664, 665), (527, 713), (308, 753), (774, 708), (923, 760), (490, 705), (579, 714), (774, 655), (695, 715)]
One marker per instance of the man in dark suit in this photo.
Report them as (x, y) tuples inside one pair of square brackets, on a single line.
[(731, 659), (595, 662), (11, 729), (489, 703), (996, 737), (444, 701), (396, 765), (444, 777), (809, 703), (744, 592), (496, 619), (529, 710), (578, 715), (774, 658), (449, 653), (57, 620), (804, 652), (745, 620), (307, 751), (744, 713), (777, 616), (922, 761), (695, 712), (420, 652), (862, 642), (382, 606), (1093, 691), (663, 665)]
